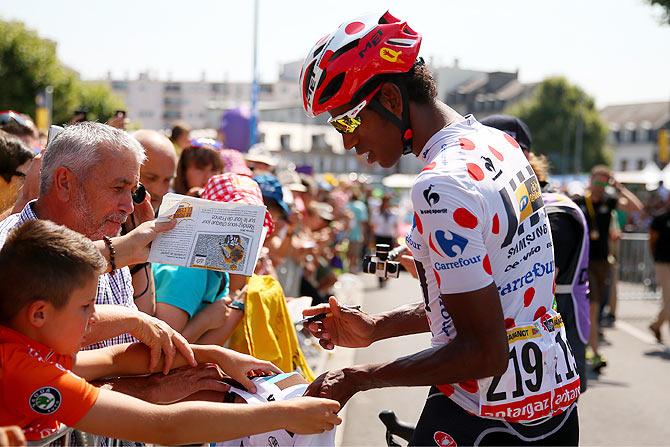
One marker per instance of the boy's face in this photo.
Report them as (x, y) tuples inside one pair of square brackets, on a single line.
[(65, 328)]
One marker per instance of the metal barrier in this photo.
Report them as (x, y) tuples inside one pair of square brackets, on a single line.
[(637, 279)]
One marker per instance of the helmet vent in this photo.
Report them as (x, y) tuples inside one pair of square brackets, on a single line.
[(344, 49), (318, 50), (332, 88)]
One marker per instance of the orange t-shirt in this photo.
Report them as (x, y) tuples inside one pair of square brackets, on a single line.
[(37, 389)]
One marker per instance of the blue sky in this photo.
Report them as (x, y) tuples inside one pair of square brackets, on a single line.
[(616, 50)]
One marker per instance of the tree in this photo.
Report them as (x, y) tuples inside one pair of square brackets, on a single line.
[(29, 63), (560, 116), (99, 100), (665, 4)]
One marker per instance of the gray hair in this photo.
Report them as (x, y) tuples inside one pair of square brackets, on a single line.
[(81, 146)]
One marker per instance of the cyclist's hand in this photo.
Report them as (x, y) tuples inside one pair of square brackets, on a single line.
[(307, 415), (333, 385), (345, 327), (408, 262)]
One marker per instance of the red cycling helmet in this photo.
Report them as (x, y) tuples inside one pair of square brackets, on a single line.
[(341, 63)]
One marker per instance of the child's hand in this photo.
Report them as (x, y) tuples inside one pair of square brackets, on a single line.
[(11, 436), (241, 367), (307, 415)]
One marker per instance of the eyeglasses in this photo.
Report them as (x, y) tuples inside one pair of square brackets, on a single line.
[(348, 122), (7, 116)]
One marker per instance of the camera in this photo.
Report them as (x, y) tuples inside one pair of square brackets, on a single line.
[(381, 264)]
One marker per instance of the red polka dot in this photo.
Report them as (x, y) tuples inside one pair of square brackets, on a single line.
[(437, 278), (447, 390), (326, 57), (419, 224), (429, 166), (541, 311), (496, 154), (487, 265), (465, 218), (354, 27), (466, 144), (470, 386), (495, 229), (509, 323), (475, 172), (528, 296), (512, 141), (432, 245)]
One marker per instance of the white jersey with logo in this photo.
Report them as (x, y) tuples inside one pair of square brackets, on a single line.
[(479, 218)]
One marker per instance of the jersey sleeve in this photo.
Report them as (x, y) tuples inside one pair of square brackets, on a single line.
[(43, 391), (451, 218)]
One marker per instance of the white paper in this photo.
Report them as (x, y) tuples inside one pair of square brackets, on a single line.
[(212, 235), (271, 389)]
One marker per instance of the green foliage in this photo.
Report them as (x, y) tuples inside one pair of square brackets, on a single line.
[(28, 63), (99, 100), (665, 4), (553, 114)]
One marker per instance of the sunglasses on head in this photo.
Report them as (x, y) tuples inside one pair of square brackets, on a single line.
[(7, 116), (349, 121)]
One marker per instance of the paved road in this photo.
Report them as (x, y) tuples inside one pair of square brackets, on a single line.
[(628, 404)]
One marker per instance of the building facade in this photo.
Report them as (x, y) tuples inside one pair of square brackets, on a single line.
[(633, 133)]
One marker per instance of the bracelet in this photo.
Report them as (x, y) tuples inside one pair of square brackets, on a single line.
[(237, 305), (112, 252)]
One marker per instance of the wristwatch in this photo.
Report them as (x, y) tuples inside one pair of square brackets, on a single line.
[(238, 305)]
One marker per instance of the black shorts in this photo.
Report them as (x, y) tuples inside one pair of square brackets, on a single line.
[(445, 423)]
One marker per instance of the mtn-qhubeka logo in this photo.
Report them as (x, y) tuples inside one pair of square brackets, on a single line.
[(45, 400)]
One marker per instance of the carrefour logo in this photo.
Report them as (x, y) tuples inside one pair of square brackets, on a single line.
[(447, 245), (538, 270)]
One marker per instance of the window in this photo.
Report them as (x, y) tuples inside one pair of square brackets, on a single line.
[(172, 114), (285, 142), (617, 136), (260, 138), (633, 136), (119, 85), (319, 141), (640, 164), (624, 165), (172, 87), (651, 135)]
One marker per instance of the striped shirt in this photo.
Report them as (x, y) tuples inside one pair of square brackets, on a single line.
[(113, 288)]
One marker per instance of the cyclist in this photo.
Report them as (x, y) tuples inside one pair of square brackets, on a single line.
[(501, 370)]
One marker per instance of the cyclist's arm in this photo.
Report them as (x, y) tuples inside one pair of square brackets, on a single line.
[(403, 320), (479, 350)]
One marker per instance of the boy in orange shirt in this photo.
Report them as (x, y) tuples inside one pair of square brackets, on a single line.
[(48, 278)]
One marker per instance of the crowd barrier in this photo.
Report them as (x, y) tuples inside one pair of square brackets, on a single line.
[(635, 267)]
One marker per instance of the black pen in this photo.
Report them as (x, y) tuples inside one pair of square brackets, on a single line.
[(323, 315)]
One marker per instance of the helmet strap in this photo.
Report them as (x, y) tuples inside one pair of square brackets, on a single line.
[(406, 133)]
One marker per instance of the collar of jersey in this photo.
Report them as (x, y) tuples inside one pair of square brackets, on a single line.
[(9, 335), (448, 135)]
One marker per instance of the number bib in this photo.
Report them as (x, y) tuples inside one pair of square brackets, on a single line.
[(541, 379)]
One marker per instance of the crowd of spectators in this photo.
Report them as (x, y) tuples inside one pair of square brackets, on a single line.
[(318, 227)]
